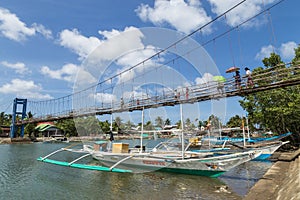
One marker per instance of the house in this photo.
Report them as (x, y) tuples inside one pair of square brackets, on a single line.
[(4, 132), (48, 130)]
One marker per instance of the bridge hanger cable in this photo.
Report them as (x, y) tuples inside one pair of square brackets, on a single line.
[(273, 39), (182, 39), (219, 36), (170, 46), (224, 33)]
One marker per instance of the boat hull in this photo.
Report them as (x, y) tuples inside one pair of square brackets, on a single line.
[(209, 166), (267, 151), (209, 173)]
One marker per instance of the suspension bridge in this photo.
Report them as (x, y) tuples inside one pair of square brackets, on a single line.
[(61, 108)]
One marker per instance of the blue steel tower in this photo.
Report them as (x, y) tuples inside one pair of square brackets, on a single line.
[(13, 127)]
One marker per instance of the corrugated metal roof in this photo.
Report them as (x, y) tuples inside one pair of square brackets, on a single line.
[(44, 127)]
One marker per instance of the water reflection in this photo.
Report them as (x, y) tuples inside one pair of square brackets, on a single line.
[(22, 177)]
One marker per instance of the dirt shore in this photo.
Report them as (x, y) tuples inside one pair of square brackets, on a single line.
[(281, 182)]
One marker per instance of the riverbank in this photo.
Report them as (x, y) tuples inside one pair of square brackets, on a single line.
[(73, 139), (282, 180), (15, 140)]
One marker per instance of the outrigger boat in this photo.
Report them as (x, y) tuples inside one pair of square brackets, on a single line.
[(248, 140), (267, 149), (161, 158), (266, 145), (166, 156)]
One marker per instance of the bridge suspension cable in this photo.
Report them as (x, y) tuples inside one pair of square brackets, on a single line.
[(63, 105)]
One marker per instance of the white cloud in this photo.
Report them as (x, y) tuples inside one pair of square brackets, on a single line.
[(42, 30), (241, 13), (19, 67), (105, 97), (13, 28), (207, 77), (98, 54), (185, 16), (24, 89), (286, 51), (114, 46), (265, 51), (78, 43), (109, 34), (69, 73), (135, 57), (137, 94)]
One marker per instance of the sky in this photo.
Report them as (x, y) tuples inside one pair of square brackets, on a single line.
[(46, 44)]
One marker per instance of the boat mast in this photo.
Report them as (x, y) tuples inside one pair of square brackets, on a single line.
[(220, 129), (182, 139), (244, 137), (111, 116), (111, 119), (142, 131), (248, 128)]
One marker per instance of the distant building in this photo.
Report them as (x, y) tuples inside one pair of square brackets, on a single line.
[(48, 130), (5, 130)]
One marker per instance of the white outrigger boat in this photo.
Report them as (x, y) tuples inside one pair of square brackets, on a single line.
[(170, 156), (166, 156)]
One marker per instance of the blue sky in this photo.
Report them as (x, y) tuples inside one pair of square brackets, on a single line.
[(44, 42)]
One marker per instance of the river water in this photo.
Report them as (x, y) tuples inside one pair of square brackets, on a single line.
[(23, 177)]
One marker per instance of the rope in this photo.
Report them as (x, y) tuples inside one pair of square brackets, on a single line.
[(272, 30)]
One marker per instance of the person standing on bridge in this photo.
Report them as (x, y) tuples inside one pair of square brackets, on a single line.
[(249, 77), (122, 103), (186, 93), (238, 79)]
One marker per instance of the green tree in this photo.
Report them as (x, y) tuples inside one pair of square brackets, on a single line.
[(29, 128), (88, 126), (189, 125), (117, 124), (235, 121), (201, 123), (68, 126), (214, 121), (93, 125), (128, 125), (178, 124), (159, 122), (273, 61), (105, 126), (296, 59), (277, 110), (148, 126), (5, 119), (167, 121)]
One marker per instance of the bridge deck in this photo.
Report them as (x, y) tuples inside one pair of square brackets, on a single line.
[(272, 78)]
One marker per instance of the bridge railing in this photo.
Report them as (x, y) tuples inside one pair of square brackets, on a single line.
[(264, 79)]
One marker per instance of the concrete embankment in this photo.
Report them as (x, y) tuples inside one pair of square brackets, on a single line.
[(281, 182), (15, 140)]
